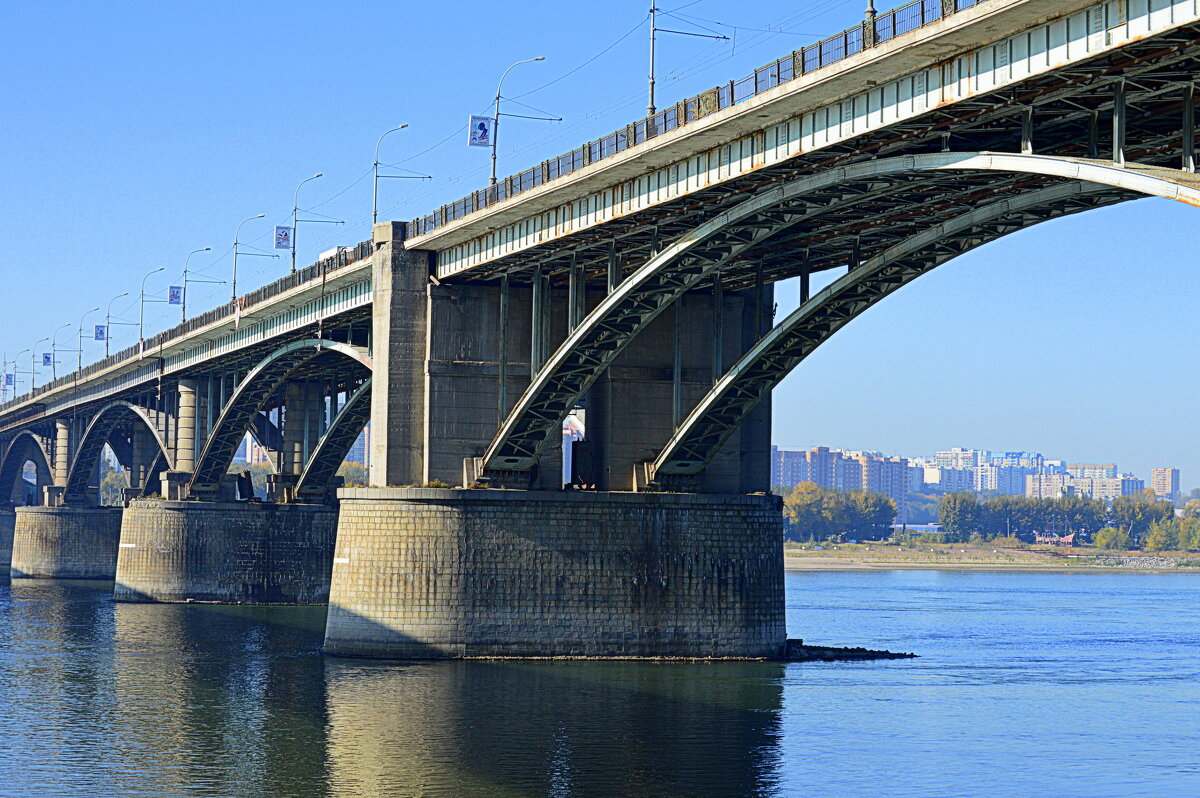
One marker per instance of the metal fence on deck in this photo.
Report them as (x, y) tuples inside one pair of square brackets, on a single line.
[(888, 25)]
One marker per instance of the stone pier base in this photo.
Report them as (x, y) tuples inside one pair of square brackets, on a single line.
[(65, 542), (226, 552), (8, 521), (428, 573)]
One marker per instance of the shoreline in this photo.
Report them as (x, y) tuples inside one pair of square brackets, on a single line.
[(800, 564)]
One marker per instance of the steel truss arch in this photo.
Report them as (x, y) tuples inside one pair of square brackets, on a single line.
[(25, 447), (331, 450), (604, 333), (97, 433), (249, 397)]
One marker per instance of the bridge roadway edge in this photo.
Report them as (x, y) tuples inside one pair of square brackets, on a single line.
[(424, 573), (225, 552)]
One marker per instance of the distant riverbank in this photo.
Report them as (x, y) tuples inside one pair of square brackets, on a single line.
[(967, 557)]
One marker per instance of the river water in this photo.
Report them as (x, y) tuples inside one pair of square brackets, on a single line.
[(1027, 685)]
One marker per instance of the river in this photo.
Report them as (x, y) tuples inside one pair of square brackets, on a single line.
[(1027, 685)]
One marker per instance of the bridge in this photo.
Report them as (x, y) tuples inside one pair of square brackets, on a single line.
[(632, 279)]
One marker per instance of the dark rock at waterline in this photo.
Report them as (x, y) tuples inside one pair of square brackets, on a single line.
[(797, 651)]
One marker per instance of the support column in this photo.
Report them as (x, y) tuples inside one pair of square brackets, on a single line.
[(301, 424), (1189, 129), (62, 452), (185, 427), (65, 542), (1027, 131), (1118, 124), (399, 330)]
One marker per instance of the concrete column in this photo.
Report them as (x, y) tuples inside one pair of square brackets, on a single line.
[(631, 408), (65, 542), (142, 453), (185, 428), (398, 341), (301, 424), (62, 452)]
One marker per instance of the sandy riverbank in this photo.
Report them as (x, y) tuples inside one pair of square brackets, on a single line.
[(949, 557)]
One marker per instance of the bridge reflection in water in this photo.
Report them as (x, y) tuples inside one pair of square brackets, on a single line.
[(98, 697)]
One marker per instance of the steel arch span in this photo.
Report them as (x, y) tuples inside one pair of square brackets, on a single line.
[(25, 447), (719, 413), (98, 432), (590, 348), (251, 394), (335, 444)]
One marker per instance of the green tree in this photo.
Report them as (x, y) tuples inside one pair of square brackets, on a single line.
[(1136, 513), (959, 514), (1162, 535), (112, 482), (804, 512), (354, 474), (1111, 538), (870, 515), (1189, 534)]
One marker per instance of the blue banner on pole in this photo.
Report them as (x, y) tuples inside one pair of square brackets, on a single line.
[(283, 237), (175, 295), (101, 332), (10, 379), (47, 359)]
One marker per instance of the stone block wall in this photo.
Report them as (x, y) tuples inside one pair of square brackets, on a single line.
[(227, 552), (8, 520), (65, 542), (427, 573)]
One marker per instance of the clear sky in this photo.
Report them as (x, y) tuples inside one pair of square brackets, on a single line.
[(133, 133)]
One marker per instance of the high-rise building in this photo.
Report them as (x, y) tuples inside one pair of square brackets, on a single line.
[(1053, 486), (1092, 470), (961, 458), (1000, 479), (1165, 482), (1048, 486), (949, 480), (1033, 460), (789, 468)]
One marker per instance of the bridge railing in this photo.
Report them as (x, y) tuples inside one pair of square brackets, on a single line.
[(344, 257), (888, 25)]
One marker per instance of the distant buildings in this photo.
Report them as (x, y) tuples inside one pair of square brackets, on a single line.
[(1165, 482), (1092, 470), (1054, 486), (839, 470)]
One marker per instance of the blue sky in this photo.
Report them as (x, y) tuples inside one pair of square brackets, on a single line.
[(135, 133)]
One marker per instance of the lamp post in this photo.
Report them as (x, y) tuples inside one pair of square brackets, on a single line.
[(108, 321), (183, 299), (375, 192), (142, 306), (496, 120), (54, 351), (295, 209), (16, 373), (33, 364), (236, 236), (79, 339)]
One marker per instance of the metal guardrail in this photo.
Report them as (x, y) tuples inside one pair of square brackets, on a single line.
[(343, 258), (807, 60)]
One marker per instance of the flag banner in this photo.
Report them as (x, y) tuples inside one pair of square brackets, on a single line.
[(101, 332), (283, 237), (47, 359), (175, 295), (480, 132), (10, 379), (141, 348), (237, 312)]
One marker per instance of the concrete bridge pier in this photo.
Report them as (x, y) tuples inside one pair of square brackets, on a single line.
[(423, 573), (8, 520), (65, 542), (225, 552)]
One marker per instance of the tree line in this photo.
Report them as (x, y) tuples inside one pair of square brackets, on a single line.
[(813, 513), (1125, 523)]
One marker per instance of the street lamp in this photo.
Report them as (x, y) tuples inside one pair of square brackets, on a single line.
[(236, 236), (496, 121), (79, 339), (375, 193), (54, 351), (108, 321), (142, 307), (295, 208), (183, 299), (16, 373), (33, 364)]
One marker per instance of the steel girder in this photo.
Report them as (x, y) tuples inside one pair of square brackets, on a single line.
[(99, 430), (534, 421), (751, 379), (331, 450), (252, 393), (23, 448)]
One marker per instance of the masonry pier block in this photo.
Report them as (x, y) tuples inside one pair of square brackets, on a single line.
[(8, 520), (227, 552), (65, 542), (433, 573)]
